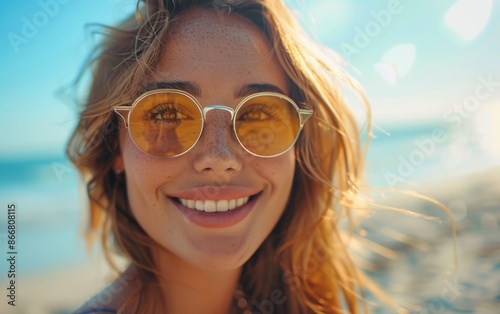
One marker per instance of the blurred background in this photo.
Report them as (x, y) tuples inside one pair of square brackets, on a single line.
[(432, 72)]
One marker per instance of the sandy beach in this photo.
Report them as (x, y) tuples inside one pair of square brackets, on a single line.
[(475, 203), (60, 291), (413, 259)]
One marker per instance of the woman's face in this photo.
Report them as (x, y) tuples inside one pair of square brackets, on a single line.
[(221, 56)]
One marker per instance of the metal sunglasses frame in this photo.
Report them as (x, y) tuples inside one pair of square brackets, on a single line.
[(124, 113)]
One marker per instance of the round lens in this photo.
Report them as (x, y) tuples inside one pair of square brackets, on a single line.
[(267, 125), (165, 124)]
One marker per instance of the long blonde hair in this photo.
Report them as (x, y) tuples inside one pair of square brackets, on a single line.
[(305, 257)]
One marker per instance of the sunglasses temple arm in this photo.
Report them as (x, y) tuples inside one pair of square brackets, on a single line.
[(123, 112)]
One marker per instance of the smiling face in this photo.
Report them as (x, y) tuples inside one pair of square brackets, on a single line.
[(213, 206)]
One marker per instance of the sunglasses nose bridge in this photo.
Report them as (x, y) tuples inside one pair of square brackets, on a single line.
[(230, 110), (218, 107)]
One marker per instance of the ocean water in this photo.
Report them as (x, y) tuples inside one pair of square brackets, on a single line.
[(48, 218), (48, 195), (402, 155)]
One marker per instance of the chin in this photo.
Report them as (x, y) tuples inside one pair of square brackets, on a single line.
[(221, 256)]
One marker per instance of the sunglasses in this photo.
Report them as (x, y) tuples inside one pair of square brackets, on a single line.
[(169, 122)]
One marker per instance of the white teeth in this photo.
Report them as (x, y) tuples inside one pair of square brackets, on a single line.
[(222, 206), (213, 206), (210, 206), (200, 205), (239, 202), (232, 204)]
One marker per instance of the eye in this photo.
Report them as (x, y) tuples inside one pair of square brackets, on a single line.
[(257, 112), (254, 115), (167, 113)]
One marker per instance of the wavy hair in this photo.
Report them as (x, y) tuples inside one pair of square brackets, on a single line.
[(305, 256)]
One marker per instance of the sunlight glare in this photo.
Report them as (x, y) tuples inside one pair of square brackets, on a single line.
[(388, 72), (468, 18), (396, 62), (487, 131)]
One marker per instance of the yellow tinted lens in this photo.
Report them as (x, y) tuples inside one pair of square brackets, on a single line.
[(165, 124), (267, 125)]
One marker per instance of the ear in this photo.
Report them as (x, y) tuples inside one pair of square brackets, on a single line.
[(118, 166)]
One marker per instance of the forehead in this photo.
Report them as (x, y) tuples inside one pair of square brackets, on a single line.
[(208, 42), (206, 23)]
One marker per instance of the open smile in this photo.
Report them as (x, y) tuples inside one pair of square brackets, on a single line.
[(212, 206), (216, 213)]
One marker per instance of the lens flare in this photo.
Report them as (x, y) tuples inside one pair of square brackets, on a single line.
[(396, 63), (468, 18)]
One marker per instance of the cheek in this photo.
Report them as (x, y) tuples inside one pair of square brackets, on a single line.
[(143, 175), (279, 170), (138, 165), (144, 168), (283, 172), (279, 174)]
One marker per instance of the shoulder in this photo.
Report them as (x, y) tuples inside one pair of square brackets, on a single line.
[(109, 299), (102, 302), (95, 310)]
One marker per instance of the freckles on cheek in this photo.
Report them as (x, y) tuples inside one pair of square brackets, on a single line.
[(281, 169), (135, 161), (146, 176), (136, 167), (139, 169)]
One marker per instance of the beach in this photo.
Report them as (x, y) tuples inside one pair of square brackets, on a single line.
[(419, 273), (418, 266), (59, 291)]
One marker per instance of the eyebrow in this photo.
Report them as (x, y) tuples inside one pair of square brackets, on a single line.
[(191, 87), (194, 88), (249, 89)]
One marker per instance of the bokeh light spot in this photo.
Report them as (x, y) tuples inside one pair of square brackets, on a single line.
[(468, 18), (396, 63)]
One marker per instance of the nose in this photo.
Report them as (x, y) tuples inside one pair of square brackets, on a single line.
[(217, 151)]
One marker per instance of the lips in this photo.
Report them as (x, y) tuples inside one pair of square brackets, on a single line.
[(218, 207)]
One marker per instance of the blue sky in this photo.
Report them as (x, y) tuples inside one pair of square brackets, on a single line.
[(416, 59), (33, 119)]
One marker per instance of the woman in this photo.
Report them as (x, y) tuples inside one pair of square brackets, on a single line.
[(220, 157)]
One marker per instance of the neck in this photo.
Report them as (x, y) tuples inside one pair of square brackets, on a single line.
[(188, 289)]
